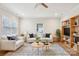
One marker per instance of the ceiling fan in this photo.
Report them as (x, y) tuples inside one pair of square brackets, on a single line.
[(43, 4)]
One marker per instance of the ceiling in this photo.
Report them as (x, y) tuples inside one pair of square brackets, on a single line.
[(28, 10)]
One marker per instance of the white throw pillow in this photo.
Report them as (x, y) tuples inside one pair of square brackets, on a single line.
[(4, 37)]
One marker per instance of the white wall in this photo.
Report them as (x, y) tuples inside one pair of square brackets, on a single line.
[(29, 25)]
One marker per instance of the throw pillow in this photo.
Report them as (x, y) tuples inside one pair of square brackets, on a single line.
[(47, 35), (8, 37), (31, 35)]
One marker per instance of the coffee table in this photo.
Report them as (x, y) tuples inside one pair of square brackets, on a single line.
[(38, 45), (47, 45)]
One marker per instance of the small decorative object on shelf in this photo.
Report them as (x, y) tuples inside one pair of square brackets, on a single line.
[(74, 34), (64, 24), (75, 23)]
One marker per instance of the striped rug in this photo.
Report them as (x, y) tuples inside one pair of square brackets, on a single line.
[(28, 50)]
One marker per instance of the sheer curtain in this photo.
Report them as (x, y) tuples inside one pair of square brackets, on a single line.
[(8, 27)]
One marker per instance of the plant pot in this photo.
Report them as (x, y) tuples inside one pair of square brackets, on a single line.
[(37, 43)]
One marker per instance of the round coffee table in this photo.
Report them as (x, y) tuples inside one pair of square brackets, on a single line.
[(37, 45), (47, 46)]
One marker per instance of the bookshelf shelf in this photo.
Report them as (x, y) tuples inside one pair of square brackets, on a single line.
[(75, 25)]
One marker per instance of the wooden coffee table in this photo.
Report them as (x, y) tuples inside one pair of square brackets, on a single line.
[(38, 45), (47, 46)]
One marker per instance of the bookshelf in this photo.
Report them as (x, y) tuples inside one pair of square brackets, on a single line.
[(73, 24), (65, 24)]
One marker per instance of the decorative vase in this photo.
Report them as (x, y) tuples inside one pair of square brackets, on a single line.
[(37, 43)]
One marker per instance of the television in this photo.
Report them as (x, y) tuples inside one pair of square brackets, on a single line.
[(67, 31)]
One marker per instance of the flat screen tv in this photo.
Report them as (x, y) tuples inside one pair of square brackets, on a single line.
[(67, 31)]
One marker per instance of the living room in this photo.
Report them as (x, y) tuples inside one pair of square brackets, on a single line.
[(35, 29)]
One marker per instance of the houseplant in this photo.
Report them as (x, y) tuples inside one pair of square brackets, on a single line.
[(58, 34), (37, 39)]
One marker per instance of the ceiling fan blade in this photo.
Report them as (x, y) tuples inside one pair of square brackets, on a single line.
[(36, 5), (43, 4)]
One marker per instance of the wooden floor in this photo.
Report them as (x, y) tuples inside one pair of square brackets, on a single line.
[(69, 50), (2, 53)]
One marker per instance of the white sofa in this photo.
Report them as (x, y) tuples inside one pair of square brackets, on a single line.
[(50, 39), (11, 45), (43, 39), (31, 39)]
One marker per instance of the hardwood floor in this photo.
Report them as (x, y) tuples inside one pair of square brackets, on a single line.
[(2, 53), (71, 51)]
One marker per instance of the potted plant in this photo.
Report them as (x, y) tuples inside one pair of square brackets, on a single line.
[(37, 39), (58, 34)]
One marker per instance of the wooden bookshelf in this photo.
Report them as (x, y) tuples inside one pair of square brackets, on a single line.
[(76, 25), (72, 30), (62, 33), (71, 24)]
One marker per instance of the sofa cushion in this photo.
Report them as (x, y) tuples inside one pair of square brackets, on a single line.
[(12, 38), (8, 37), (4, 37), (47, 35)]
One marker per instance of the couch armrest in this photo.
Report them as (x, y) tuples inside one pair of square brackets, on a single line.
[(51, 36), (21, 38), (8, 44)]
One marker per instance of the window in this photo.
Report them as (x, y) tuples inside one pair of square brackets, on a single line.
[(40, 28), (9, 27)]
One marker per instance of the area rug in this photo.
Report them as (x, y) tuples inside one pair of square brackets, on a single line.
[(28, 50)]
